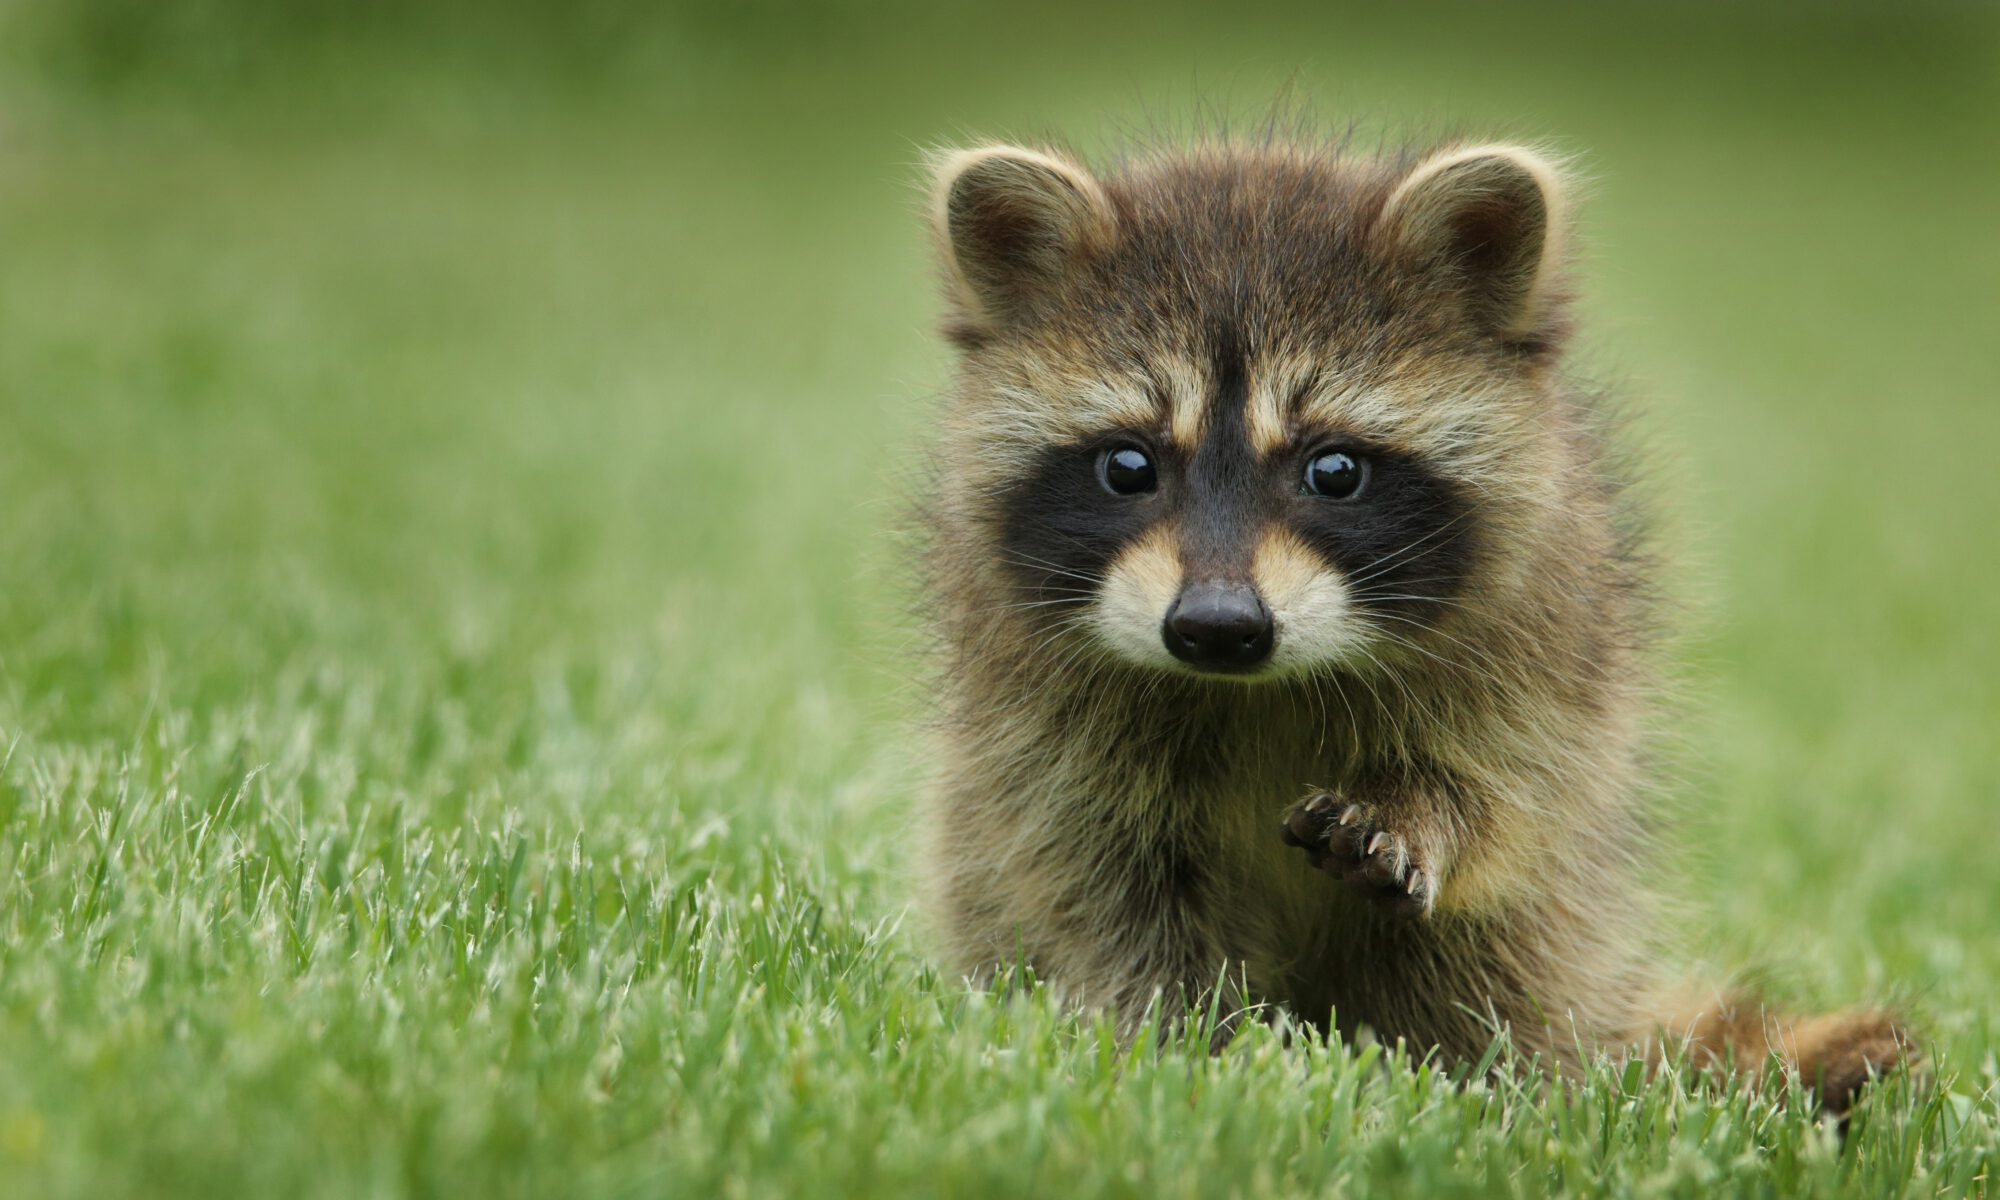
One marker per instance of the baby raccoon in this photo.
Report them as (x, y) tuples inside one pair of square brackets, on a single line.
[(1260, 480)]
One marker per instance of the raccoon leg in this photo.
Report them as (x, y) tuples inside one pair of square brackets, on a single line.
[(1385, 852)]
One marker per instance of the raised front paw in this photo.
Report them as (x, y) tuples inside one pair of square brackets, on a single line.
[(1352, 843)]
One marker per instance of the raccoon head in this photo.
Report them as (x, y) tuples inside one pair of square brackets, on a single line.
[(1249, 412)]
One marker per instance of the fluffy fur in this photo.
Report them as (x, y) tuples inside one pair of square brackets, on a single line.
[(1424, 811)]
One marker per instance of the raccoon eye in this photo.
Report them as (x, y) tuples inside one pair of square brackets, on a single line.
[(1336, 474), (1127, 471)]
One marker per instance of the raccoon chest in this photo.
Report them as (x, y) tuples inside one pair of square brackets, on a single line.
[(1188, 878)]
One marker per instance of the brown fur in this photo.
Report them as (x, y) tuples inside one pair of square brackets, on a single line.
[(1119, 826)]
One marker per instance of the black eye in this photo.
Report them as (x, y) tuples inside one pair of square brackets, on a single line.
[(1336, 474), (1127, 471)]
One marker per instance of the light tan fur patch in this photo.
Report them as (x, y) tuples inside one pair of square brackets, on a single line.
[(1143, 582), (1268, 415), (1039, 401), (1309, 601), (1185, 388)]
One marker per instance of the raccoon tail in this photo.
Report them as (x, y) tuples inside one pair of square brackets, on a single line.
[(1833, 1053)]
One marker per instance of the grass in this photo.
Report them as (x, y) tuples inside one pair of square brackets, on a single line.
[(454, 695)]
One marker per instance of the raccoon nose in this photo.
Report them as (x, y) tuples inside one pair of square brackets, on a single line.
[(1219, 627)]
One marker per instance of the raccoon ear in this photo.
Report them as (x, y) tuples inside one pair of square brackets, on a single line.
[(1010, 223), (1489, 218)]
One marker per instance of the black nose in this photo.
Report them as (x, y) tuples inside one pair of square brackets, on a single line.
[(1219, 627)]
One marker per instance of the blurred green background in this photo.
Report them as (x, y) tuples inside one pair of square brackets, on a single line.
[(456, 683)]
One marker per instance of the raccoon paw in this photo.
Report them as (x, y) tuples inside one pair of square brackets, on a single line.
[(1351, 843)]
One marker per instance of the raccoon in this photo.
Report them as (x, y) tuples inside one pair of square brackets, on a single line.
[(1296, 627)]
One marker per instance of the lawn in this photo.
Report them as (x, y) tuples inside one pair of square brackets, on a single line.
[(458, 702)]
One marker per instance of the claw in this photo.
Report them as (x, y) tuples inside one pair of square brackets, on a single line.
[(1375, 843), (1415, 883), (1351, 815), (1298, 828), (1320, 803)]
